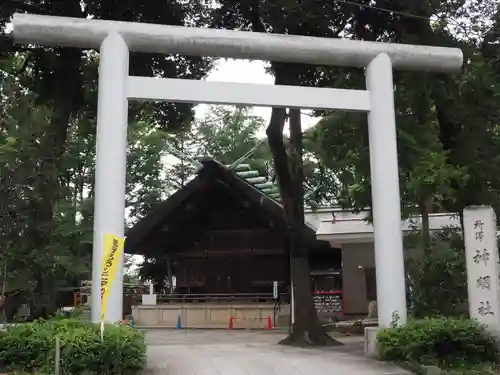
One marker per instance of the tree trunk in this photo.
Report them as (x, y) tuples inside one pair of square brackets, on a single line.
[(425, 204), (306, 329), (47, 183)]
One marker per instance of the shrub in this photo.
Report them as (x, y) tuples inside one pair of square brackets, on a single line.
[(445, 342), (437, 279), (31, 348)]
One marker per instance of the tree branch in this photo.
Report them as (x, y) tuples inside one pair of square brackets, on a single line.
[(6, 44), (22, 6), (253, 14)]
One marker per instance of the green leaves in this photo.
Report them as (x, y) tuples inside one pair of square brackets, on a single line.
[(146, 184), (437, 278), (226, 134), (48, 100), (30, 348), (432, 176), (341, 144), (445, 342)]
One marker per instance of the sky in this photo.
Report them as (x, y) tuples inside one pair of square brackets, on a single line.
[(245, 71)]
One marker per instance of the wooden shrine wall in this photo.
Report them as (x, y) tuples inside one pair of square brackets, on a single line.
[(235, 252), (220, 243), (247, 273)]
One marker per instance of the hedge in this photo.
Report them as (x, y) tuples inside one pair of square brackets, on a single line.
[(445, 342), (30, 348)]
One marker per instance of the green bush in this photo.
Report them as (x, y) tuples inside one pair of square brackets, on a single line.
[(445, 342), (438, 279), (31, 348)]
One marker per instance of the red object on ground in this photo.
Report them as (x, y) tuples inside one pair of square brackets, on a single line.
[(269, 323), (231, 323)]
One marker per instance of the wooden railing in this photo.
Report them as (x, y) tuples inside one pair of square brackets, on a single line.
[(219, 298)]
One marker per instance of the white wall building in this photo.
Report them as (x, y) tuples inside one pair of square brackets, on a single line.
[(355, 236)]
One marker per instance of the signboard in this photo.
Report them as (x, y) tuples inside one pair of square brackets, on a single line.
[(482, 266), (329, 303), (275, 290), (24, 310), (112, 249)]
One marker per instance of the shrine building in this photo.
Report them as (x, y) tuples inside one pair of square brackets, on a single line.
[(224, 241), (222, 238)]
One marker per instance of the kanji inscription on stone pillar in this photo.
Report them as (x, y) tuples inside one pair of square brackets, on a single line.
[(482, 266)]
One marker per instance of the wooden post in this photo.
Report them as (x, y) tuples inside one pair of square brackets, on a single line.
[(57, 366), (169, 275)]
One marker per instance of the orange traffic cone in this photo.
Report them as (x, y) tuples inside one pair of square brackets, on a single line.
[(269, 323), (231, 323)]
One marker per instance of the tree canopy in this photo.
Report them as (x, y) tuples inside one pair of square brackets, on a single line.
[(447, 126)]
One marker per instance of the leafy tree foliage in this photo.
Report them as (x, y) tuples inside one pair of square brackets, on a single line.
[(145, 183), (227, 134), (67, 258), (445, 125), (436, 280), (60, 78), (447, 134), (23, 125)]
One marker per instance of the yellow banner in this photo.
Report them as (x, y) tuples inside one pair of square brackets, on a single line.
[(112, 248)]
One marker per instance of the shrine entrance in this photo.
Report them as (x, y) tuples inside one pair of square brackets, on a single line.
[(222, 275), (115, 41)]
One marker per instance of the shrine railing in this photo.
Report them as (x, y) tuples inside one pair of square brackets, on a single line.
[(329, 305), (218, 298)]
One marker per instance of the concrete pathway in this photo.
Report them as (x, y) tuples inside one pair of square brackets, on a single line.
[(213, 352)]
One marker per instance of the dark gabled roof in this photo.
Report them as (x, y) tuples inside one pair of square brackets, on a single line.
[(210, 172)]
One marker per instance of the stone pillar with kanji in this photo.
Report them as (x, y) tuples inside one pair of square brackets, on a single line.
[(480, 236)]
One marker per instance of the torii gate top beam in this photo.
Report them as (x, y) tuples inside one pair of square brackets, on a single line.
[(154, 38)]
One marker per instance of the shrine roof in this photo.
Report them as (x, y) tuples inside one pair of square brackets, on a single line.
[(211, 173)]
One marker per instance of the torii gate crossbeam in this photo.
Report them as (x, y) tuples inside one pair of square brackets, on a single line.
[(116, 40)]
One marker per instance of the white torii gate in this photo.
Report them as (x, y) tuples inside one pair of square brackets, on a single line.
[(116, 40)]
